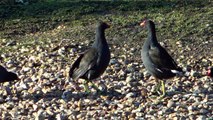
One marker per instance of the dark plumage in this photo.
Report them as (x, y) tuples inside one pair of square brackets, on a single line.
[(95, 60), (155, 58), (210, 72), (6, 76)]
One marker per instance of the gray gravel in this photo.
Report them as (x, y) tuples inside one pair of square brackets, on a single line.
[(127, 85)]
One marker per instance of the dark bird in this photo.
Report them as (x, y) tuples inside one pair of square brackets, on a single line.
[(210, 72), (156, 59), (6, 76), (93, 62)]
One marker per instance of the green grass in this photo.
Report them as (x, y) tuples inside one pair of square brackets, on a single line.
[(186, 21)]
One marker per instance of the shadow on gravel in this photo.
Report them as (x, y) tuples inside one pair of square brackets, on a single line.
[(68, 95)]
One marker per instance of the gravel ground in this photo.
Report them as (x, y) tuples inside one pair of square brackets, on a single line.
[(127, 85)]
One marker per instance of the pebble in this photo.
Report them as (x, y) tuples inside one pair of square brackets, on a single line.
[(129, 95), (203, 111), (191, 108), (170, 104), (176, 97), (201, 117)]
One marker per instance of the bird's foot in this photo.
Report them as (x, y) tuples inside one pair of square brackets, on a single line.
[(156, 99), (71, 85), (100, 92), (86, 88), (87, 92)]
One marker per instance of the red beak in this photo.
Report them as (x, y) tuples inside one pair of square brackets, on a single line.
[(143, 23), (208, 72)]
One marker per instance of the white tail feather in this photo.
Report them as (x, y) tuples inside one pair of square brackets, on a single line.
[(177, 72)]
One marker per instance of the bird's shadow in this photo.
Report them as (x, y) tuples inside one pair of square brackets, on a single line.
[(111, 93), (70, 95)]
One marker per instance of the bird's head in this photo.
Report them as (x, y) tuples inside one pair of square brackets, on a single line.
[(103, 25), (147, 22), (143, 23)]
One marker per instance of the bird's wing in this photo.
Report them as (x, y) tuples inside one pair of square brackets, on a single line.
[(161, 58), (84, 63), (75, 65)]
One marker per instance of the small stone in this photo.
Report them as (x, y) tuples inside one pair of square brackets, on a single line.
[(160, 112), (170, 103), (146, 74), (176, 97), (113, 61), (102, 86), (182, 118), (195, 74), (1, 100), (61, 51), (129, 79), (203, 111), (40, 115), (120, 106), (26, 69), (190, 108), (131, 94), (201, 117)]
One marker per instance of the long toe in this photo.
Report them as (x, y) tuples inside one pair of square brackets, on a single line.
[(156, 99), (158, 88), (95, 87)]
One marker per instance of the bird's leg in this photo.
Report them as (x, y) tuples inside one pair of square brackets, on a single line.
[(157, 87), (160, 88), (94, 86), (163, 88), (159, 99), (86, 87)]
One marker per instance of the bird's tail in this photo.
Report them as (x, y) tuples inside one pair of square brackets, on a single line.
[(178, 72)]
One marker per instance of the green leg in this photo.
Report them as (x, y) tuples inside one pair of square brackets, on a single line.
[(162, 83), (160, 87), (157, 88), (94, 86), (86, 87), (163, 88)]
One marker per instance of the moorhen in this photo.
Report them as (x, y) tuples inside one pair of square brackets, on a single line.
[(93, 62), (156, 59)]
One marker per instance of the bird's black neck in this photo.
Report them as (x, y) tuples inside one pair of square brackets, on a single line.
[(152, 34), (99, 37)]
